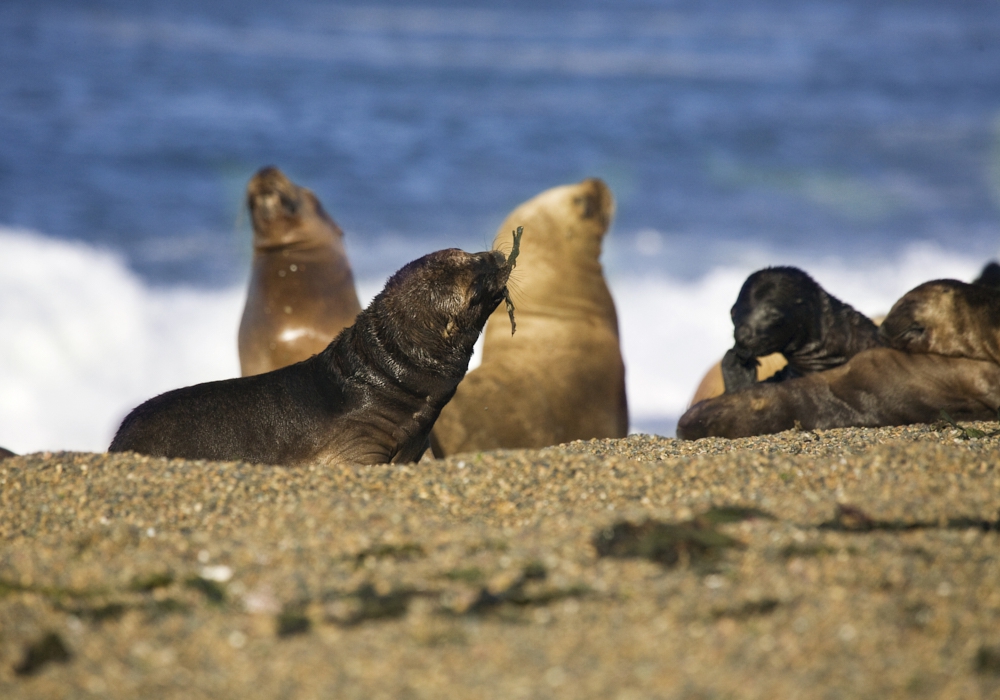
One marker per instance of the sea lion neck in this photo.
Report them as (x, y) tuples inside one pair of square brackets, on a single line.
[(306, 233)]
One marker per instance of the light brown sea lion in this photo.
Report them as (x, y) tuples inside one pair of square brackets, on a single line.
[(301, 288), (370, 397), (560, 377), (946, 317), (876, 387)]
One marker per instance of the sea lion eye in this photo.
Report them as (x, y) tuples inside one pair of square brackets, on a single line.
[(290, 205)]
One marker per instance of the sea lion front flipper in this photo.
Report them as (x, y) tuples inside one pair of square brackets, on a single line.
[(737, 372)]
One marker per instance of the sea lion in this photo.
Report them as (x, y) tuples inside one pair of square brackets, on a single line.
[(782, 309), (876, 387), (560, 377), (946, 317), (301, 290), (5, 453), (370, 397)]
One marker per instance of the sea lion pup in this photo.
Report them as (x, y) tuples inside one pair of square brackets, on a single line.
[(370, 397), (946, 317), (876, 387), (782, 309), (301, 290), (560, 377)]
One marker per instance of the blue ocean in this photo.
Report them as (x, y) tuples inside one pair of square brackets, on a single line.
[(857, 139)]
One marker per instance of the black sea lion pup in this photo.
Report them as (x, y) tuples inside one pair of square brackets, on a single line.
[(877, 387), (301, 291), (782, 309), (370, 397), (946, 317)]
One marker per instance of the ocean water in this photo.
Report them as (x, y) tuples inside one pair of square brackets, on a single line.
[(857, 140)]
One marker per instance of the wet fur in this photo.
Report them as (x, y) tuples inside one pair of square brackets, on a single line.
[(371, 396), (877, 387), (783, 310)]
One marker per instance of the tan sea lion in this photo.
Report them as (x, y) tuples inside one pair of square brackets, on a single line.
[(876, 387), (370, 397), (946, 317), (560, 377), (301, 291)]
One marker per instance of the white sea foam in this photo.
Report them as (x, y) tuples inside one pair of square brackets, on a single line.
[(83, 339)]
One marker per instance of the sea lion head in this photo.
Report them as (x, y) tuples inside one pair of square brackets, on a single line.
[(565, 224), (284, 213), (945, 317), (559, 270), (434, 308), (776, 309)]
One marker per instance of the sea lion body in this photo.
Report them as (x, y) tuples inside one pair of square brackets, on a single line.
[(5, 453), (782, 309), (946, 317), (371, 396), (560, 377), (877, 387), (301, 291)]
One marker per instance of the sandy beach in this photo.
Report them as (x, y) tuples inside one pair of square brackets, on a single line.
[(854, 563)]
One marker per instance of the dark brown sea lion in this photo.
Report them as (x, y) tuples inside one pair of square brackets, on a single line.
[(301, 291), (877, 387), (782, 309), (5, 453), (946, 317), (560, 377), (370, 397)]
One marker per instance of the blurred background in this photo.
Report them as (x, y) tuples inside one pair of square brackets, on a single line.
[(858, 139)]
